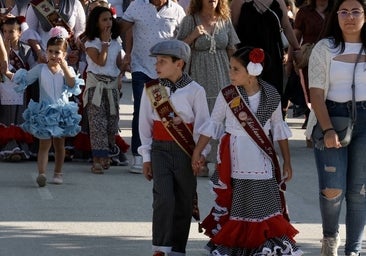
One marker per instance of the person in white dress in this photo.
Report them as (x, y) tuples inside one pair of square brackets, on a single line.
[(249, 216)]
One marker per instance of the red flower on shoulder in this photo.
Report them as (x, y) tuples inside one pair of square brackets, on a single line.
[(256, 55)]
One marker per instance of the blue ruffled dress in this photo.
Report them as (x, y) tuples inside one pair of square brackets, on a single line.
[(53, 115)]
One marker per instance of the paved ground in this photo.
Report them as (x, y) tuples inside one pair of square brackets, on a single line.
[(108, 215)]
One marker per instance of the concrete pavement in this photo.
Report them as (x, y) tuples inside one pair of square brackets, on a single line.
[(110, 214)]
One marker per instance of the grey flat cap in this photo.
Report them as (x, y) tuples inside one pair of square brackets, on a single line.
[(172, 47)]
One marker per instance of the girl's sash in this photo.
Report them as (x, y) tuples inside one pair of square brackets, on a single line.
[(169, 117), (48, 13), (251, 125)]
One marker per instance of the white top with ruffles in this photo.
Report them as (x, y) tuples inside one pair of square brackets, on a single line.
[(247, 160)]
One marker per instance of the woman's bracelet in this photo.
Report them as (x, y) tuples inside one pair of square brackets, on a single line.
[(327, 130)]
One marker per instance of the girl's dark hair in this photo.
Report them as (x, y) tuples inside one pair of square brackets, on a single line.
[(58, 41), (242, 55), (11, 21), (92, 30), (333, 30)]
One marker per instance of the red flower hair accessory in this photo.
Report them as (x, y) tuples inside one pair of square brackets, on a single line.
[(256, 57), (20, 19), (23, 24)]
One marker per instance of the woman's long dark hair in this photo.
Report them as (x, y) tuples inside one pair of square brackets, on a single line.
[(92, 30), (333, 30)]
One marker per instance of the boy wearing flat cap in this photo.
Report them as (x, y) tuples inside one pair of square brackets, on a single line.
[(173, 107)]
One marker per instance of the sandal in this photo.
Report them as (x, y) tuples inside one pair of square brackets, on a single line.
[(106, 163), (97, 168)]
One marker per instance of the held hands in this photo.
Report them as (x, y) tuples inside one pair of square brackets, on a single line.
[(198, 161)]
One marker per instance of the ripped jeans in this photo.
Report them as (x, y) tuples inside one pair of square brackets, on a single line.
[(344, 169)]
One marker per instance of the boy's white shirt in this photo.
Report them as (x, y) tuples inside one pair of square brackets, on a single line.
[(191, 106)]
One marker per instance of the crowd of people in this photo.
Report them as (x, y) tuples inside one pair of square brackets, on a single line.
[(201, 71)]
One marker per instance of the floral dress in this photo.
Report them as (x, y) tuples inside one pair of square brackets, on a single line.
[(209, 60)]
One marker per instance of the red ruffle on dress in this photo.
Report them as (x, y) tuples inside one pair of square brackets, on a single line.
[(14, 132), (246, 219)]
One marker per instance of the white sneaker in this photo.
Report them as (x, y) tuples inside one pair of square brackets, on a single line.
[(137, 165), (57, 179), (330, 246), (126, 78)]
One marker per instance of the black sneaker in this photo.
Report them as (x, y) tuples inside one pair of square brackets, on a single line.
[(41, 180)]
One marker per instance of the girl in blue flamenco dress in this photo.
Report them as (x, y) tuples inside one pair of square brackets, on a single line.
[(52, 118)]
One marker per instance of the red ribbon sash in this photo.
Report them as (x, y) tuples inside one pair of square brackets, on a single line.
[(171, 121)]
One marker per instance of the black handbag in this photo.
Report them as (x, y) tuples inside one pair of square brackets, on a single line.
[(342, 125)]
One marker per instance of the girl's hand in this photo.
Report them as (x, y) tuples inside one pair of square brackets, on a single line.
[(198, 161), (287, 171), (147, 170), (126, 62), (63, 63), (106, 34)]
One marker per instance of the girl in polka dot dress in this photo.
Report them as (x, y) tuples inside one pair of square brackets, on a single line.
[(249, 215)]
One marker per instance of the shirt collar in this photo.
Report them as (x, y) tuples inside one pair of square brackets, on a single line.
[(182, 82)]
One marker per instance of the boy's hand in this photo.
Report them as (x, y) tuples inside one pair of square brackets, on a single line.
[(147, 170)]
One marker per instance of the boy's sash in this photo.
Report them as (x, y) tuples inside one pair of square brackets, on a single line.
[(251, 125), (173, 124), (50, 14), (16, 61)]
